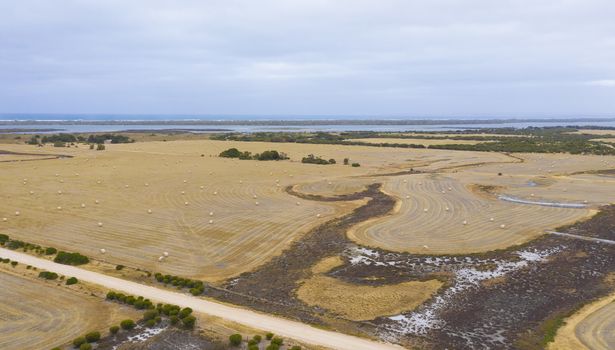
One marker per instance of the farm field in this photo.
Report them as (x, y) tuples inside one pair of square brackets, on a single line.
[(40, 315), (592, 327)]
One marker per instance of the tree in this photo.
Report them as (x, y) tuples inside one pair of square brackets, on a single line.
[(332, 161), (114, 329), (277, 341), (127, 324), (273, 347), (346, 160), (150, 314), (189, 321), (269, 336), (92, 337), (78, 341), (235, 339), (356, 165), (257, 338), (185, 312), (71, 280), (50, 251), (296, 347), (100, 147), (230, 153)]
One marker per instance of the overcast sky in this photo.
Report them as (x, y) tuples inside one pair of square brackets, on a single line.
[(309, 57)]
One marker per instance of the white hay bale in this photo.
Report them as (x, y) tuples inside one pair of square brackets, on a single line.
[(5, 219), (491, 219), (256, 203), (31, 192), (585, 201), (17, 213), (98, 182), (447, 209), (443, 191), (425, 210), (465, 222), (82, 205), (149, 211), (59, 208), (531, 195), (165, 254), (407, 197), (426, 246), (211, 222), (450, 188), (185, 181), (405, 181), (160, 258), (96, 201), (329, 182), (318, 215), (502, 226), (298, 203), (186, 203), (146, 184), (25, 182), (254, 196), (183, 192), (202, 187), (103, 250), (215, 193), (125, 186), (100, 224), (240, 181), (62, 181), (59, 192), (211, 213)]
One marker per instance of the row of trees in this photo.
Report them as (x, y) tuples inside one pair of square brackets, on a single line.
[(196, 287), (266, 155), (312, 159), (74, 259), (253, 344)]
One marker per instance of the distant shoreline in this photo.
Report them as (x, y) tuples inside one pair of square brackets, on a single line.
[(248, 122)]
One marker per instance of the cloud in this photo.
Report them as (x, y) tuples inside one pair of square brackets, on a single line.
[(410, 57), (604, 83)]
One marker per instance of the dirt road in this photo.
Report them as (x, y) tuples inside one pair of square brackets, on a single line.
[(280, 326)]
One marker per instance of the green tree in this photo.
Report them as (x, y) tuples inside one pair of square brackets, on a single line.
[(72, 280), (92, 337), (78, 341), (85, 346), (127, 324), (235, 339), (189, 321), (114, 329)]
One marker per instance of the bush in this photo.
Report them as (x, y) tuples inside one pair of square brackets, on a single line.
[(150, 314), (14, 263), (119, 267), (296, 347), (50, 251), (114, 329), (127, 324), (269, 336), (189, 321), (332, 161), (252, 342), (346, 160), (184, 312), (59, 144), (3, 238), (72, 280), (230, 153), (174, 320), (312, 159), (150, 323), (48, 275), (273, 347), (253, 347), (92, 337), (257, 338), (67, 258), (78, 341), (235, 339), (356, 165), (100, 147), (85, 346), (277, 341)]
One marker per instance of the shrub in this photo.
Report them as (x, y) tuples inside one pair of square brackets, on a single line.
[(257, 338), (356, 165), (269, 336), (174, 320), (253, 347), (230, 153), (119, 267), (346, 160), (332, 161), (92, 337), (3, 238), (59, 144), (150, 323), (277, 341), (127, 324), (85, 346), (111, 295), (56, 348), (100, 147), (91, 146), (273, 347), (312, 159), (48, 275), (185, 312), (14, 263), (114, 329), (150, 314), (235, 339), (50, 251), (72, 280), (67, 258), (78, 341), (252, 342), (189, 321), (296, 347)]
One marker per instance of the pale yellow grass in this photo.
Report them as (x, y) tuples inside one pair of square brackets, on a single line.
[(423, 225), (367, 302), (36, 314), (594, 132), (592, 327), (424, 142)]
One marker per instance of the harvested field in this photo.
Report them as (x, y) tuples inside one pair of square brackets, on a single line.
[(439, 215), (368, 302), (594, 132), (592, 327), (40, 315), (424, 142)]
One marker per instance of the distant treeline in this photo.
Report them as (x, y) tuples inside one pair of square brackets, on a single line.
[(71, 138), (245, 155), (530, 140)]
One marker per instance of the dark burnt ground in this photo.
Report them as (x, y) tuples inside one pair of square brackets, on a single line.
[(600, 226), (170, 338), (271, 287)]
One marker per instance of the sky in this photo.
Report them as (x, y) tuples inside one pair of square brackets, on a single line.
[(521, 58)]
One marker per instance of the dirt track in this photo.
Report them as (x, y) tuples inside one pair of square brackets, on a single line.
[(280, 326)]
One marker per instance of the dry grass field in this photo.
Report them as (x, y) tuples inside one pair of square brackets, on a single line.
[(35, 314), (592, 327), (367, 302), (595, 132)]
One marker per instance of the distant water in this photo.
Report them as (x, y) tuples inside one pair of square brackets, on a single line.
[(45, 121)]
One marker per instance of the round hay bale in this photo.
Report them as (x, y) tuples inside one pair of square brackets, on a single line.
[(165, 254), (502, 226), (82, 205), (465, 222), (17, 213), (149, 211), (211, 222), (100, 224), (103, 250)]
